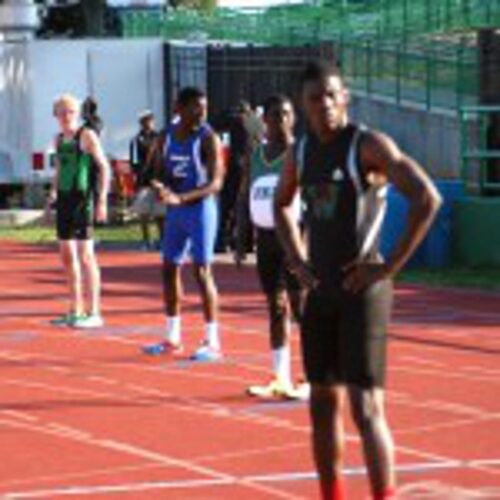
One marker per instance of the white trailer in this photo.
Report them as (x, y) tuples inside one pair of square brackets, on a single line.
[(124, 76)]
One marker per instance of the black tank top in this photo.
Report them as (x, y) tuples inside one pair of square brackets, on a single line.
[(343, 212)]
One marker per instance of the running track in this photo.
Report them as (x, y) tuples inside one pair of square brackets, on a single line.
[(85, 415)]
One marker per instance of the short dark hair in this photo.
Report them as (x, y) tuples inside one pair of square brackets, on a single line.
[(319, 70), (275, 100), (188, 94), (89, 106)]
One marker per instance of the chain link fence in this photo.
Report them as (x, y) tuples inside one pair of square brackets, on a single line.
[(405, 50)]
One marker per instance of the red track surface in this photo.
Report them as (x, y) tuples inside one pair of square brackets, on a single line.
[(86, 415)]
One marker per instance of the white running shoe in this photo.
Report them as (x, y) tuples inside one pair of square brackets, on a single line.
[(206, 353), (90, 321), (303, 391), (279, 389)]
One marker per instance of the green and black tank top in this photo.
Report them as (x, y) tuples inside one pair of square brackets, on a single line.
[(75, 166), (264, 178)]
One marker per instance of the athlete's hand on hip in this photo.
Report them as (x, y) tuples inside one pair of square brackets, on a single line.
[(101, 213), (304, 274), (361, 275)]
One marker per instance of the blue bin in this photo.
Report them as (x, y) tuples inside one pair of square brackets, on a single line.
[(435, 250)]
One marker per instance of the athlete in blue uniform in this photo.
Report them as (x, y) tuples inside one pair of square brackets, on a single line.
[(191, 173)]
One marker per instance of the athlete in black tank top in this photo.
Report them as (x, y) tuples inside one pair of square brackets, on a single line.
[(330, 200), (342, 172), (344, 212)]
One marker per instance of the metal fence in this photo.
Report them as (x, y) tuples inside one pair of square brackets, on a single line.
[(480, 148), (422, 52), (393, 48), (380, 18), (230, 74), (435, 75)]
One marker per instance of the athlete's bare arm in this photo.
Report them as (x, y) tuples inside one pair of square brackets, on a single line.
[(286, 225), (212, 150), (55, 180), (383, 162), (92, 145), (154, 158)]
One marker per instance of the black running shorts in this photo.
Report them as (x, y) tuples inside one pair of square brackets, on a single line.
[(273, 272), (74, 216), (344, 336)]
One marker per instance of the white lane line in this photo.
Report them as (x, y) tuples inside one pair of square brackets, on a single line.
[(59, 369), (357, 471), (445, 374), (439, 364), (110, 444), (489, 461), (215, 477), (452, 423), (81, 436), (439, 405), (252, 452), (411, 468), (438, 490), (192, 405), (20, 414), (102, 380), (270, 421), (122, 488), (90, 473)]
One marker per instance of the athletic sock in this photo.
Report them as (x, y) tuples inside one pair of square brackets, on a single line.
[(388, 493), (174, 329), (212, 335), (281, 363)]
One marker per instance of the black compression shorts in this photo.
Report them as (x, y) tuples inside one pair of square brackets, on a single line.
[(344, 336), (273, 272), (75, 216)]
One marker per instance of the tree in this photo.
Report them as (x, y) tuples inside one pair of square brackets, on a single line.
[(93, 12), (202, 5)]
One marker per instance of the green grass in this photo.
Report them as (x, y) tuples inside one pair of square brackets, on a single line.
[(485, 278), (121, 233)]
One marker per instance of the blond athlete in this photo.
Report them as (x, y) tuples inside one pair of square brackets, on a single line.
[(78, 203)]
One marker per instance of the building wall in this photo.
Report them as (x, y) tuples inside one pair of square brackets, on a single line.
[(431, 137), (15, 110), (125, 76)]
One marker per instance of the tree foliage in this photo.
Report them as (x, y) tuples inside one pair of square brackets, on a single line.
[(203, 5)]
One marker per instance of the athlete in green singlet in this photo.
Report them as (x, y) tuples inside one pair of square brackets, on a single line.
[(78, 204)]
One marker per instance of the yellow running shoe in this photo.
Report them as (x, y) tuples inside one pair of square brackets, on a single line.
[(278, 389)]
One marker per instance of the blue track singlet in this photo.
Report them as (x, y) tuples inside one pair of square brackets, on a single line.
[(193, 225)]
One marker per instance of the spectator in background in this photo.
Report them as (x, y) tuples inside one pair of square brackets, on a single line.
[(90, 116), (241, 144), (146, 205), (92, 121), (254, 123)]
